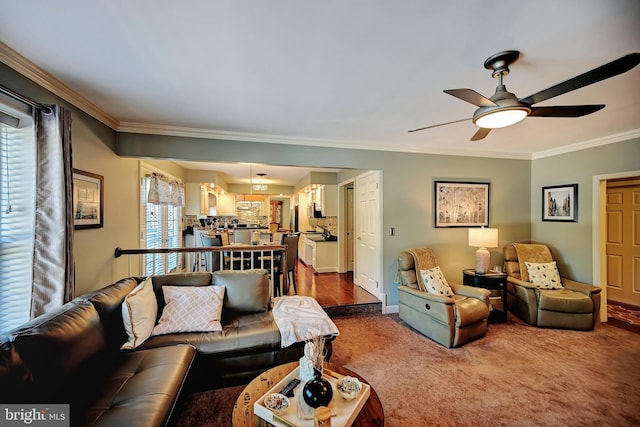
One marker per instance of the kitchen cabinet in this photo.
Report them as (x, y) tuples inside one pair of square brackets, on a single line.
[(324, 256), (197, 199), (226, 204), (320, 254)]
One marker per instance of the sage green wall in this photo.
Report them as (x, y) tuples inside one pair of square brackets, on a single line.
[(407, 190), (93, 145), (571, 243)]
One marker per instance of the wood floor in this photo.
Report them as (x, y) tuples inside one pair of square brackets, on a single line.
[(330, 289)]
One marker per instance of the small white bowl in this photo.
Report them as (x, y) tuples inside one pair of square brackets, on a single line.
[(348, 387), (277, 403)]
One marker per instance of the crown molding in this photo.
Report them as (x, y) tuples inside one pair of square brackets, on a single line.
[(151, 129), (605, 140), (31, 71)]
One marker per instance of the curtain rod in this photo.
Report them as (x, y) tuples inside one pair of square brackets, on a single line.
[(25, 100)]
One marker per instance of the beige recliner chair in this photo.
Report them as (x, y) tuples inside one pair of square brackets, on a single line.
[(448, 320), (575, 306)]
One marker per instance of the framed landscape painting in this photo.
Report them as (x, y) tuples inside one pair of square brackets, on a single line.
[(88, 199), (461, 204), (560, 203)]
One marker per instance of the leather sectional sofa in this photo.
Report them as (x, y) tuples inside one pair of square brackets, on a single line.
[(73, 355)]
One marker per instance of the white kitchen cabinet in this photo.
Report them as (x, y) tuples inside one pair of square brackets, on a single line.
[(330, 200), (325, 256), (226, 204), (197, 201)]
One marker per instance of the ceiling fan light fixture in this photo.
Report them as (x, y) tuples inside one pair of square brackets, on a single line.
[(501, 118)]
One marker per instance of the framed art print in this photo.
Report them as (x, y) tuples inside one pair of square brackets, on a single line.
[(88, 200), (560, 203), (461, 204)]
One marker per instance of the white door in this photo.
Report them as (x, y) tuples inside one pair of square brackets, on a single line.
[(367, 274)]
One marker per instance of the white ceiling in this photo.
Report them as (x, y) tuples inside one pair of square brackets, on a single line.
[(337, 73)]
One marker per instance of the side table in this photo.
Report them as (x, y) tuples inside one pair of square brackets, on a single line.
[(370, 415), (489, 280)]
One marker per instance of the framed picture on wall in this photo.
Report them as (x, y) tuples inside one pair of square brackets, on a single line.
[(461, 204), (88, 200), (560, 203)]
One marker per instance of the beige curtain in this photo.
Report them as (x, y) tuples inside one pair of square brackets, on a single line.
[(53, 265)]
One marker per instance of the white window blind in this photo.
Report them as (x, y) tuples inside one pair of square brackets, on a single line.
[(17, 205), (161, 229)]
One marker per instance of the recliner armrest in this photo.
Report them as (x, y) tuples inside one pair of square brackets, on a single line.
[(426, 296), (581, 287), (470, 291)]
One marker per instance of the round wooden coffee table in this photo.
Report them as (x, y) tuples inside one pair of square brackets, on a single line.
[(371, 413)]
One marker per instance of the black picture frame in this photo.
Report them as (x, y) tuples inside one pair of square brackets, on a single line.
[(560, 203), (461, 204), (88, 200)]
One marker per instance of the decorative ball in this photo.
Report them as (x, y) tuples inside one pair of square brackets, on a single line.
[(317, 392)]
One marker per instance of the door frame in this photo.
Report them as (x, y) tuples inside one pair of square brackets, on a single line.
[(343, 212), (599, 233)]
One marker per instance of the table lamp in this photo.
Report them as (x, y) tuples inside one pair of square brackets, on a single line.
[(483, 238)]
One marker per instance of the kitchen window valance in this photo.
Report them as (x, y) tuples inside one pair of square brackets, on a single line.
[(165, 191)]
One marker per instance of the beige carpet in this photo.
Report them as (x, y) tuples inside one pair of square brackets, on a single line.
[(517, 376)]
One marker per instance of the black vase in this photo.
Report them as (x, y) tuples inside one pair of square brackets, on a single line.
[(317, 391)]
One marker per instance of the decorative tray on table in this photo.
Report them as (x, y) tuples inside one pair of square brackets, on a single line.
[(343, 412)]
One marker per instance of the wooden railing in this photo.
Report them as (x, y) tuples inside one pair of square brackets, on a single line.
[(272, 258)]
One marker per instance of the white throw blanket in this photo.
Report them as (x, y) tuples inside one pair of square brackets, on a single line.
[(300, 319)]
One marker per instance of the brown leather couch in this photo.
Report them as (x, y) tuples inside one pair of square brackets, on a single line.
[(72, 355)]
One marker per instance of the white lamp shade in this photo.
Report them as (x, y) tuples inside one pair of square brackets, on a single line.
[(483, 237)]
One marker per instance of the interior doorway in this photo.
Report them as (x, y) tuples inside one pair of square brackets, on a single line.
[(599, 230), (622, 249)]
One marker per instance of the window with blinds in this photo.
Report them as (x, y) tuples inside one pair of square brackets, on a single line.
[(17, 210), (161, 229)]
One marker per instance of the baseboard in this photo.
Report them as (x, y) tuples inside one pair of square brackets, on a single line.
[(391, 309)]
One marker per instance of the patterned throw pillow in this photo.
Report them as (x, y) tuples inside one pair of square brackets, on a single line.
[(435, 282), (139, 311), (191, 309), (544, 275)]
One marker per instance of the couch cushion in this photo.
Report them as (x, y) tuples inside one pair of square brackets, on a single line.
[(435, 283), (247, 290), (544, 275), (108, 302), (191, 309), (565, 301), (142, 389), (139, 311), (197, 278), (48, 350), (243, 334)]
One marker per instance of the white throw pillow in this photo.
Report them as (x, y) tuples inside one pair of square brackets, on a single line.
[(139, 311), (435, 282), (544, 275), (191, 309)]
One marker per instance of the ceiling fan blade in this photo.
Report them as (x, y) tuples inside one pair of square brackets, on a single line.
[(439, 124), (480, 134), (565, 110), (471, 96), (603, 72)]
